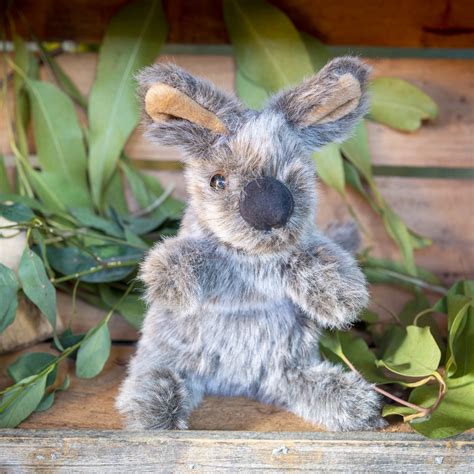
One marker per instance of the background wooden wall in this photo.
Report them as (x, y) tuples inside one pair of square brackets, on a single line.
[(396, 23)]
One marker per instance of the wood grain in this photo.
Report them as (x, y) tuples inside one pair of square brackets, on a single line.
[(346, 22), (111, 451)]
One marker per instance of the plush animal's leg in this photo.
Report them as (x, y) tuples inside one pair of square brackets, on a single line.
[(326, 394), (155, 397)]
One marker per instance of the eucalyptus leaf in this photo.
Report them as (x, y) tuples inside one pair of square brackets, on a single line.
[(114, 194), (94, 352), (390, 410), (132, 40), (59, 143), (252, 94), (8, 296), (88, 218), (64, 81), (399, 104), (147, 190), (356, 150), (16, 212), (49, 196), (46, 402), (71, 261), (132, 307), (330, 168), (36, 284), (416, 355), (19, 403), (32, 363), (268, 49)]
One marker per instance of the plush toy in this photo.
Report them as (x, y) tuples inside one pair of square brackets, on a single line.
[(237, 299)]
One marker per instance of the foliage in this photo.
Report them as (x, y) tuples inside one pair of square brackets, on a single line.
[(83, 239), (271, 54), (81, 236)]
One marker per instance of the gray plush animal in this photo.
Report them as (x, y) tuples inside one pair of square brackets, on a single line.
[(237, 299)]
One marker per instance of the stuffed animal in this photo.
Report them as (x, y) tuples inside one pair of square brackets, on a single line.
[(237, 300)]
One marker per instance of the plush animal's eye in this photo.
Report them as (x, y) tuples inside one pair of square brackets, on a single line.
[(218, 182)]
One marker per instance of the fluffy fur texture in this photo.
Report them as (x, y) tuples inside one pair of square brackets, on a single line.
[(234, 310)]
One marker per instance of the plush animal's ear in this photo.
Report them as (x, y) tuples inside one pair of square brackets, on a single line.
[(326, 107), (180, 109)]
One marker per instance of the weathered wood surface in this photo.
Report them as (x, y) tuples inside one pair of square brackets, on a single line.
[(346, 22), (109, 451)]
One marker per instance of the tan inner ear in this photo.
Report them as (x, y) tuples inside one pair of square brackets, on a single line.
[(164, 103), (344, 98)]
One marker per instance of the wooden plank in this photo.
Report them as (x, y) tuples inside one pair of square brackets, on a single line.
[(447, 142), (231, 452), (346, 22)]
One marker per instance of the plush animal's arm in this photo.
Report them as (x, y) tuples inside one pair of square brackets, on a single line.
[(172, 273), (325, 281)]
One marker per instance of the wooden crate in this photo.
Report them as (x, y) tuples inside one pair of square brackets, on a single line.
[(237, 434)]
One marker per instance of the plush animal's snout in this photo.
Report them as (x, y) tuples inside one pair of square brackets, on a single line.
[(266, 203)]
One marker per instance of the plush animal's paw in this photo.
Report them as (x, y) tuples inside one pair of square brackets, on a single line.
[(329, 285), (355, 405), (345, 234), (170, 274)]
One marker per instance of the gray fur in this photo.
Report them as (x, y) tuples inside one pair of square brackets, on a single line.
[(238, 311)]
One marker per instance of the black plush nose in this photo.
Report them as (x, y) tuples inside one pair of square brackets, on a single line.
[(266, 203)]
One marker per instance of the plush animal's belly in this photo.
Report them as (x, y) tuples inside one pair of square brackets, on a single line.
[(231, 351)]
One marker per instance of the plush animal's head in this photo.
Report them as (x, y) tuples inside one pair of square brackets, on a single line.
[(250, 175)]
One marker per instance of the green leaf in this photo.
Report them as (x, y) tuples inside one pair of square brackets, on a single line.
[(114, 194), (59, 143), (88, 218), (132, 307), (71, 260), (398, 231), (94, 352), (32, 363), (389, 410), (330, 168), (355, 349), (49, 196), (62, 78), (268, 49), (16, 212), (399, 104), (318, 53), (5, 186), (356, 150), (416, 355), (147, 190), (252, 94), (368, 316), (19, 403), (454, 415), (46, 402), (460, 335), (132, 40), (8, 296), (36, 285)]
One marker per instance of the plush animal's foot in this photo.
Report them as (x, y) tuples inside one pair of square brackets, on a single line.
[(353, 404), (157, 402)]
